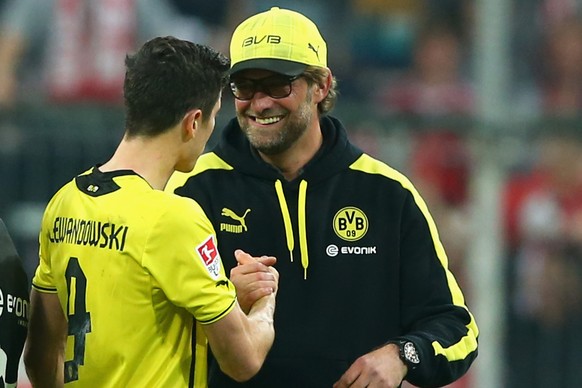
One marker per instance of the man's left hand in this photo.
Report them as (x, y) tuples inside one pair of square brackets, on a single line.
[(379, 368)]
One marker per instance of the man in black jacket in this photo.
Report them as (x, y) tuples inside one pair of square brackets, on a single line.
[(366, 297), (13, 309)]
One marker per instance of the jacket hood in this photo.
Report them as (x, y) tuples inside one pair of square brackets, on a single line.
[(336, 153)]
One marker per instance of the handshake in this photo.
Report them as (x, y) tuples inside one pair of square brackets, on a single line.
[(254, 278)]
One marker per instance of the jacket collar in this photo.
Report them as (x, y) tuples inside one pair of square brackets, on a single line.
[(335, 154)]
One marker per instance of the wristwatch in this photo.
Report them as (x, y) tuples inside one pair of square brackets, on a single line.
[(408, 353)]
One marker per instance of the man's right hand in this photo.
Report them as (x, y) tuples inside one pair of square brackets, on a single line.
[(254, 278)]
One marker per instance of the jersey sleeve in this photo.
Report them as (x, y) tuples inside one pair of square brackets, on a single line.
[(43, 280), (182, 256)]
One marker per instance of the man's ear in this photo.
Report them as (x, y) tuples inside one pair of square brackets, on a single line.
[(191, 123), (323, 88)]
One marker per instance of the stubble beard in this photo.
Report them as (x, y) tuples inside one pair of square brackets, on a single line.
[(272, 142)]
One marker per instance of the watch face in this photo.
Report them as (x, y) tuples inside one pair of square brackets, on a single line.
[(410, 353)]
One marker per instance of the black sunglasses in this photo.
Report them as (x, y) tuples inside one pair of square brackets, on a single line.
[(275, 86)]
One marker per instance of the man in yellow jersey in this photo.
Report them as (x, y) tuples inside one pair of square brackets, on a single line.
[(130, 288)]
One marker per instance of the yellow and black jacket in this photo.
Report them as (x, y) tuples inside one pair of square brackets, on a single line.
[(359, 258)]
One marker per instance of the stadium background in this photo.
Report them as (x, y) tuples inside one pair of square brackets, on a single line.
[(477, 101)]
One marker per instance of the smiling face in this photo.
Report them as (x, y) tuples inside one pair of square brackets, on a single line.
[(273, 125)]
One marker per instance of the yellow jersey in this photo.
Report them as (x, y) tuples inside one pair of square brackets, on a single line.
[(134, 268)]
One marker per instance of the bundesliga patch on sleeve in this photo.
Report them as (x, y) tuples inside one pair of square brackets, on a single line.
[(210, 256)]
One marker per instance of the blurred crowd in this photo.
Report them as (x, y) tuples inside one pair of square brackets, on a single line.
[(396, 61)]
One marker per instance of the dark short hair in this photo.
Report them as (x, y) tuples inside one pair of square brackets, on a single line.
[(166, 78)]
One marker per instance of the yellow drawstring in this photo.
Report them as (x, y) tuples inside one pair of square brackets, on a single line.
[(300, 219), (302, 227), (286, 218)]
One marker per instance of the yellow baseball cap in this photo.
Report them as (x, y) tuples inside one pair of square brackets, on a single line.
[(278, 40)]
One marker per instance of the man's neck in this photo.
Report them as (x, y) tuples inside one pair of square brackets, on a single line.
[(291, 161), (148, 158)]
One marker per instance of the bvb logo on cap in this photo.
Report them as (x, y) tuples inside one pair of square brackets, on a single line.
[(278, 40)]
